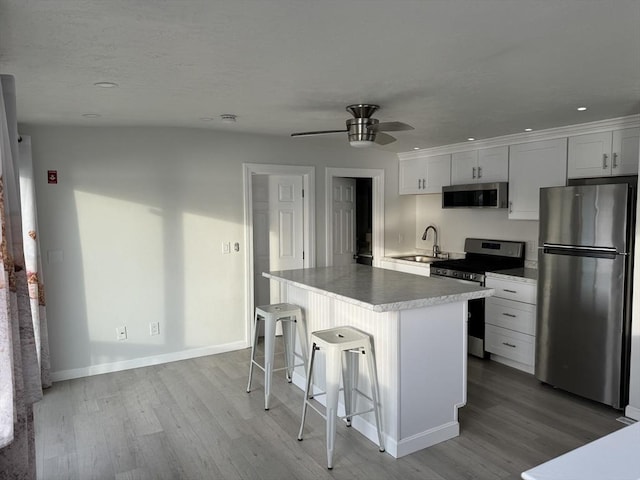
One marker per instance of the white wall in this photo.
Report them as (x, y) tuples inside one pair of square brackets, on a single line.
[(456, 224), (139, 215)]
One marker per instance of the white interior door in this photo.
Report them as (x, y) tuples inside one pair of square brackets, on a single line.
[(344, 220), (286, 226)]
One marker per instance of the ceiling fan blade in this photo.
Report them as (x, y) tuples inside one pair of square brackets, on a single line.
[(320, 132), (390, 127), (384, 139)]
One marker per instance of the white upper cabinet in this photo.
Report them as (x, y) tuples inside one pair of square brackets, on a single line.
[(532, 166), (424, 174), (604, 153), (464, 167), (479, 166)]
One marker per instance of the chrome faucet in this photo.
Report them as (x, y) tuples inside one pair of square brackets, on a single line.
[(436, 248)]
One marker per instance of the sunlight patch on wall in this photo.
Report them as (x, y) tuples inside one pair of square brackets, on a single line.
[(122, 251)]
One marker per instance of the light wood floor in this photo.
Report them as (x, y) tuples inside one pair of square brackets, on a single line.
[(194, 420)]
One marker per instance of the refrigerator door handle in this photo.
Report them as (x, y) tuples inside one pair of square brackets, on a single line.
[(579, 251)]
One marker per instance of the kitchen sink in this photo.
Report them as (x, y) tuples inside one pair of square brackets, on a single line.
[(419, 258)]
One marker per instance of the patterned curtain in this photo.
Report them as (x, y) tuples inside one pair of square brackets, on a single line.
[(20, 374)]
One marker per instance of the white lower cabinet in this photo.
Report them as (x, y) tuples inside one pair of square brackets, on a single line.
[(510, 322)]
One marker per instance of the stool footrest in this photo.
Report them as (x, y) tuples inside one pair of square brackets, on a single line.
[(279, 369)]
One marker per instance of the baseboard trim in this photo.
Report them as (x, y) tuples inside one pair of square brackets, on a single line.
[(632, 412), (145, 361), (427, 438)]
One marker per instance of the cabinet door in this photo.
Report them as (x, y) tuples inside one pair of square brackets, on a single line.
[(533, 166), (412, 176), (464, 167), (624, 155), (590, 155), (493, 164), (438, 173)]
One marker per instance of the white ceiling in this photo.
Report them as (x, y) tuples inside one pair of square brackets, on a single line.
[(451, 68)]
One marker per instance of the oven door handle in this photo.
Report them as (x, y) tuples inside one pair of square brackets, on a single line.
[(459, 280)]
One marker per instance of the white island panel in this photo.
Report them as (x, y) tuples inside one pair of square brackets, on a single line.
[(433, 373)]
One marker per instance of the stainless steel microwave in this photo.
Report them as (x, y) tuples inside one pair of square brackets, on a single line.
[(476, 195)]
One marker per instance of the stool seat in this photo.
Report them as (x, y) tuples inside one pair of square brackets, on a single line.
[(280, 309), (344, 338), (343, 346), (290, 316)]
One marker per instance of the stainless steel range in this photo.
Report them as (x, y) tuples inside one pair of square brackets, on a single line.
[(481, 256)]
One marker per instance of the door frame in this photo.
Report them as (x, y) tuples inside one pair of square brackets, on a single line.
[(377, 205), (308, 184)]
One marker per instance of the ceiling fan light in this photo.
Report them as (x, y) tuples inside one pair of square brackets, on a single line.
[(361, 143)]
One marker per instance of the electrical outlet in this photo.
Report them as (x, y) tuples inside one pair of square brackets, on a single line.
[(154, 328), (121, 333), (226, 247)]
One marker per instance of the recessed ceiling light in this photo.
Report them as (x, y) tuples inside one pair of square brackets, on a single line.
[(581, 109), (416, 148), (471, 139), (228, 118), (528, 129), (105, 84), (91, 115), (207, 119)]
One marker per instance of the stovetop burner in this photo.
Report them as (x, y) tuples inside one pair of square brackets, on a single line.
[(481, 256)]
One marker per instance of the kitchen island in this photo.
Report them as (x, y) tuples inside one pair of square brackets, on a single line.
[(420, 333)]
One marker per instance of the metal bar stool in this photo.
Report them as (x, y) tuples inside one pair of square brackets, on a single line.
[(342, 345), (290, 316)]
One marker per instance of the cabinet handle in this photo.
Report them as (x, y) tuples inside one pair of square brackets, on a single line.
[(509, 344), (419, 187), (424, 184), (509, 315), (479, 172), (510, 207), (604, 161), (508, 291), (473, 173), (615, 161)]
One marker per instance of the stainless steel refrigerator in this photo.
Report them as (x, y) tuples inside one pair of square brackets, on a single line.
[(584, 290)]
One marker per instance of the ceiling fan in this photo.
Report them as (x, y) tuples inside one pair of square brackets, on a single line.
[(363, 130)]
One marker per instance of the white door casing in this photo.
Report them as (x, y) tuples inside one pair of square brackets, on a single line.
[(377, 191), (308, 179), (344, 220)]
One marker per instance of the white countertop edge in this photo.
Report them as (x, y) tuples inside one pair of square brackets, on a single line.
[(393, 306)]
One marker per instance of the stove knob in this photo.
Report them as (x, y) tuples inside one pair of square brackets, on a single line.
[(455, 274)]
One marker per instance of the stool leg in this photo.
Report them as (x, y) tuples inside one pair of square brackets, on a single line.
[(269, 340), (349, 379), (333, 360), (301, 327), (288, 335), (307, 390), (375, 393), (256, 331)]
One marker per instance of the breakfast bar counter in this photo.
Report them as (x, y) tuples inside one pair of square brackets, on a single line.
[(420, 333)]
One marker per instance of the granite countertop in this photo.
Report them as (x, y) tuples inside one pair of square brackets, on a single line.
[(525, 275), (379, 289)]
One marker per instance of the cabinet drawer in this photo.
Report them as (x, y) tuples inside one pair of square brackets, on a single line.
[(509, 344), (517, 316), (518, 291)]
